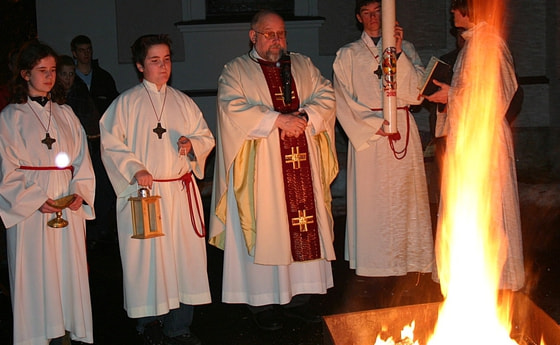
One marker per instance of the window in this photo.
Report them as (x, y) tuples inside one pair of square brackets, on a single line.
[(246, 8)]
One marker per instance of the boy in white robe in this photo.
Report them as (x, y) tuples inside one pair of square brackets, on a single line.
[(505, 210), (388, 221), (154, 136)]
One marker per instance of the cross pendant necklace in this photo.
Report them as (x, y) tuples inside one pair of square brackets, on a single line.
[(378, 72), (159, 130), (48, 141)]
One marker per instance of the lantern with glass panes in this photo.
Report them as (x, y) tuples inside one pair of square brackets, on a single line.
[(146, 215)]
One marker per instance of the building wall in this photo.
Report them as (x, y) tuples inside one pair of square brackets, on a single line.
[(533, 37)]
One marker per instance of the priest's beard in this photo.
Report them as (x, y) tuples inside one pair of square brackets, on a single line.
[(274, 53)]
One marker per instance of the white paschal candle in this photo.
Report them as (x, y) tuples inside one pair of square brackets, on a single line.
[(389, 65)]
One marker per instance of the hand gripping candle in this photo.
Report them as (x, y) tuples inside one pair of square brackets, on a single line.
[(389, 65)]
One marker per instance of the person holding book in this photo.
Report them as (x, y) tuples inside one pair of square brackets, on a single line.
[(435, 149), (388, 226), (505, 208)]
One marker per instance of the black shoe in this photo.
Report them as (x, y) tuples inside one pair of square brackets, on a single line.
[(268, 320), (183, 339), (153, 334), (303, 313)]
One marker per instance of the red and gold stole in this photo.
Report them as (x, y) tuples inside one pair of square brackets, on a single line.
[(298, 184)]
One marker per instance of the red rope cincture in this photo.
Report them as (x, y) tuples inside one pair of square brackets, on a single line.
[(397, 136), (188, 184), (27, 167)]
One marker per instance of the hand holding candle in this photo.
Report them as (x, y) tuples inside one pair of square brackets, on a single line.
[(399, 36)]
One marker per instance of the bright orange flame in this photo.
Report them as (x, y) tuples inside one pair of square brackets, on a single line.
[(407, 337), (470, 252)]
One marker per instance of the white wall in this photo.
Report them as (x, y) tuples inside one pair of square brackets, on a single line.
[(59, 21), (97, 19), (207, 47)]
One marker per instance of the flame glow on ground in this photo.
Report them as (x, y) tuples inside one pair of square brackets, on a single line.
[(470, 254)]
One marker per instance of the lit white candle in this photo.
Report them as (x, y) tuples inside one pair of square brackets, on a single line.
[(389, 65)]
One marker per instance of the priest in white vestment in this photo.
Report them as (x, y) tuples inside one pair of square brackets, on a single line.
[(154, 136), (44, 157), (265, 242), (388, 224), (505, 206)]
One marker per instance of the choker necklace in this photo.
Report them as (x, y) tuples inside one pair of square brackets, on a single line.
[(40, 99), (159, 130), (378, 72), (48, 140)]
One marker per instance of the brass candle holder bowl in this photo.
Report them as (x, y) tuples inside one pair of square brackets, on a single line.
[(62, 203)]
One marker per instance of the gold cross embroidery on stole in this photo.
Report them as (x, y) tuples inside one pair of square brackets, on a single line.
[(302, 220), (296, 158), (280, 95)]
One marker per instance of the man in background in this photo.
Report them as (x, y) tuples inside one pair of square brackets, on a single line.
[(100, 83), (103, 91)]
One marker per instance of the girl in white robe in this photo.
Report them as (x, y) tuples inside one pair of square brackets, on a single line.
[(44, 157)]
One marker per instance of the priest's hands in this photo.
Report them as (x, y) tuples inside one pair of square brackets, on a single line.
[(291, 125), (144, 178)]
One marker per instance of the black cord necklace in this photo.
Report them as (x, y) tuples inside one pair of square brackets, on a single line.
[(48, 140), (378, 72), (159, 130)]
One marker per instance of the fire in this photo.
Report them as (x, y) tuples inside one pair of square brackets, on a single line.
[(471, 247), (470, 254), (407, 337)]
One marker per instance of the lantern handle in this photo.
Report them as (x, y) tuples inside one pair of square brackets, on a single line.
[(143, 192)]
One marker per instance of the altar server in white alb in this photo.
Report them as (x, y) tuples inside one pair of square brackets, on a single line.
[(505, 211), (44, 157), (275, 162), (388, 225), (154, 136)]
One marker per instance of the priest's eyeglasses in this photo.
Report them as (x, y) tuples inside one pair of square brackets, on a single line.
[(271, 35)]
